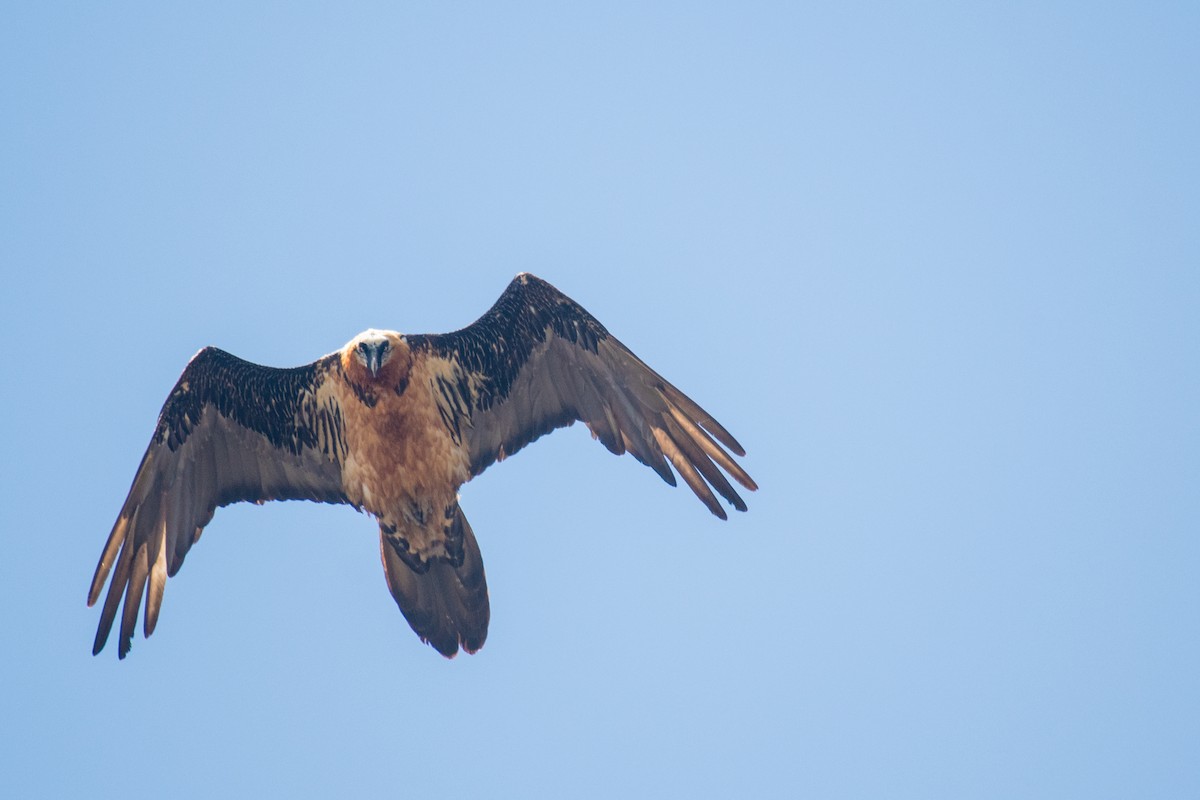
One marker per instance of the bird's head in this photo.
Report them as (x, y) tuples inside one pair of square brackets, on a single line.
[(376, 356)]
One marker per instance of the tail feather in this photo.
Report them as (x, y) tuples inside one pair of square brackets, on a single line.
[(446, 605)]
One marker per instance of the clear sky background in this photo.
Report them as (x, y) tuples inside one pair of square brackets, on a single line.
[(936, 265)]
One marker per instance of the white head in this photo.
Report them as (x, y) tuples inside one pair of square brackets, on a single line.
[(373, 349)]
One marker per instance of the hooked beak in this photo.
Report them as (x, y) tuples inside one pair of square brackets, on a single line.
[(373, 359)]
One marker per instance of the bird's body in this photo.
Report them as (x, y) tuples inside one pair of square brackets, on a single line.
[(400, 465), (394, 425)]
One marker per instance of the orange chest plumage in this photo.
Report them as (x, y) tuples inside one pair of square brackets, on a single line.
[(400, 455)]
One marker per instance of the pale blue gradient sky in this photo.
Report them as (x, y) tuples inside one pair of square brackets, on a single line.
[(937, 267)]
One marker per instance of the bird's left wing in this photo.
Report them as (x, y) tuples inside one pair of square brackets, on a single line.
[(537, 361), (230, 431)]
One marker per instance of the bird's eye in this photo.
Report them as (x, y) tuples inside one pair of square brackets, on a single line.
[(384, 345), (362, 347)]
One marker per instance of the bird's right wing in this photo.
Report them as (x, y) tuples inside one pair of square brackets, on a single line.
[(230, 431)]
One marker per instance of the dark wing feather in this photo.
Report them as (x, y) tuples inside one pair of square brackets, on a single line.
[(230, 431), (537, 361)]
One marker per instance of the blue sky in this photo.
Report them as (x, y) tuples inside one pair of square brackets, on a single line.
[(935, 265)]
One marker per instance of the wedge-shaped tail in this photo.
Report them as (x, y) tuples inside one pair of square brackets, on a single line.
[(446, 603)]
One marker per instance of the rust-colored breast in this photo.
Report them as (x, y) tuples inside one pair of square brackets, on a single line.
[(401, 461)]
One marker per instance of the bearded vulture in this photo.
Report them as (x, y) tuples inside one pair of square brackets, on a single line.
[(393, 425)]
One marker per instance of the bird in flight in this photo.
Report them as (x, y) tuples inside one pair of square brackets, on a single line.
[(393, 424)]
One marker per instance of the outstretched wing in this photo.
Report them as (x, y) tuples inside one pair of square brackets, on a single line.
[(230, 431), (537, 361)]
